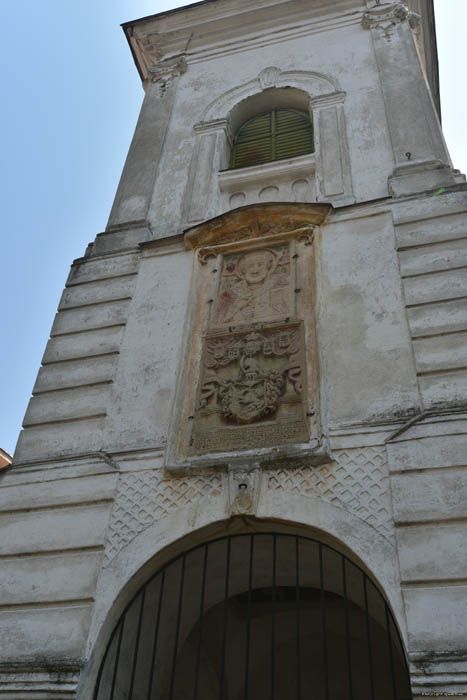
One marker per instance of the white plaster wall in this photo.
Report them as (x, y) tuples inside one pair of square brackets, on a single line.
[(150, 355), (345, 55), (363, 335)]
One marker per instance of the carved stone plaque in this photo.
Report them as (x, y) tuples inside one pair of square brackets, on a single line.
[(249, 393), (252, 389), (254, 286)]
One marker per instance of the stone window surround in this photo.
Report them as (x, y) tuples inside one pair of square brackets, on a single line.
[(328, 169)]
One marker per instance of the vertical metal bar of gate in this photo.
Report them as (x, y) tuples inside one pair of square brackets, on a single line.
[(226, 611), (324, 623), (138, 635), (391, 657), (347, 628), (117, 656), (273, 617), (133, 623), (368, 633), (297, 602), (177, 630), (248, 628), (201, 613), (156, 635), (103, 664)]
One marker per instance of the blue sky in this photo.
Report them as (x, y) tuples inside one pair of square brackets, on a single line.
[(71, 97)]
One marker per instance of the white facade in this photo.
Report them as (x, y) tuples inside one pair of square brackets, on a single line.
[(99, 496)]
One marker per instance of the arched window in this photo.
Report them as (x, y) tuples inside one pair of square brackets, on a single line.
[(275, 135)]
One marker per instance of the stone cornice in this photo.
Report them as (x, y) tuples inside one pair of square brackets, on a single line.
[(255, 221), (218, 25), (272, 172)]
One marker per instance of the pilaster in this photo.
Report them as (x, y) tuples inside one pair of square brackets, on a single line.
[(136, 185), (421, 158), (212, 146), (334, 181)]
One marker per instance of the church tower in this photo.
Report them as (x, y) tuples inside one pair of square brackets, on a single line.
[(242, 472)]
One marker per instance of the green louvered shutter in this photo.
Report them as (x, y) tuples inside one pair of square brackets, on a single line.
[(294, 134), (282, 133), (253, 143)]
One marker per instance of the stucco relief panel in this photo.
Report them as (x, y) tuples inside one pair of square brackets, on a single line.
[(252, 382), (251, 368), (254, 286), (251, 390)]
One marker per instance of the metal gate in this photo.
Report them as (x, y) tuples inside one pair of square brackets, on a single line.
[(256, 617)]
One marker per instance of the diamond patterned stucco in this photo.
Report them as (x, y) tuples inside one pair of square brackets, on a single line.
[(357, 480), (146, 497)]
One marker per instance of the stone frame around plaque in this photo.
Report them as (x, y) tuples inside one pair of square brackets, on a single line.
[(253, 282)]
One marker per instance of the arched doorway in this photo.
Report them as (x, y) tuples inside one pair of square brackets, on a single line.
[(262, 616)]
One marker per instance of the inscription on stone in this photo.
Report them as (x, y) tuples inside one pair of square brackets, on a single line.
[(252, 389), (254, 286)]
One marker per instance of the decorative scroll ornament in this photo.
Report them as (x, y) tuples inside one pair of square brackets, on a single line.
[(268, 77), (385, 18), (163, 72)]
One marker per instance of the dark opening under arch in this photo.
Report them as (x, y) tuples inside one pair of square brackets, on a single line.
[(260, 617)]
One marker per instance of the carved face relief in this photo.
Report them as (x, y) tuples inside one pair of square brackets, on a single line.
[(256, 266), (254, 286), (251, 378)]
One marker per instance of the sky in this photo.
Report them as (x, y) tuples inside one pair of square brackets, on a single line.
[(71, 97)]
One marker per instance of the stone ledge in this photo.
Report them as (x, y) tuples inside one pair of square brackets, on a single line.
[(419, 177), (25, 681), (275, 171), (313, 453)]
